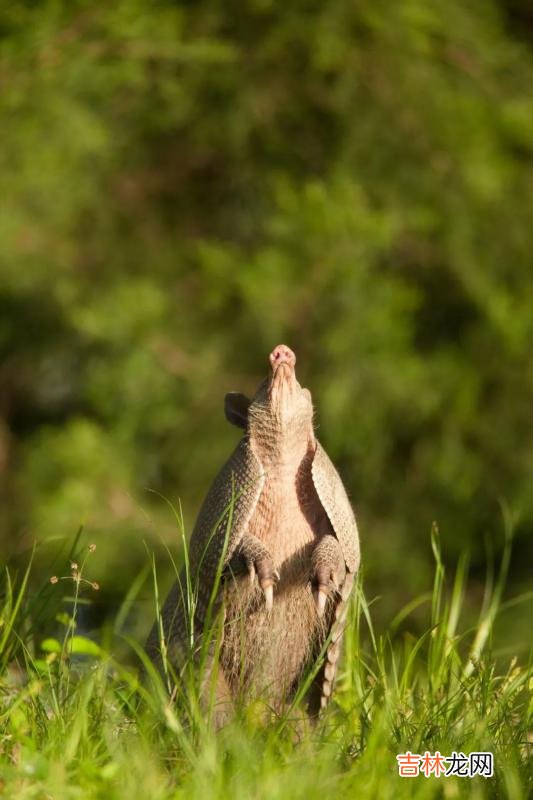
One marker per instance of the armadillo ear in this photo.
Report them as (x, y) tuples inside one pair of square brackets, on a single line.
[(236, 409)]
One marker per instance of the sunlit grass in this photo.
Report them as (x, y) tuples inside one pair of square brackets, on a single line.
[(76, 723)]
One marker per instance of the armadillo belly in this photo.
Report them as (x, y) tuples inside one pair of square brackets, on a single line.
[(265, 653)]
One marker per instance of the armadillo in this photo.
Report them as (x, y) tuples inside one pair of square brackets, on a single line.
[(278, 531)]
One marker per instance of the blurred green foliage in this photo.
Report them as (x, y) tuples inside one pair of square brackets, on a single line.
[(185, 185)]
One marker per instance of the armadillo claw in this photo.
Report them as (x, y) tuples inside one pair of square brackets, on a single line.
[(252, 554), (267, 576), (324, 591), (321, 599), (267, 586), (327, 570), (268, 591), (251, 572)]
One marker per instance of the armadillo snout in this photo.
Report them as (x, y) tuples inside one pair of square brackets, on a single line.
[(282, 355)]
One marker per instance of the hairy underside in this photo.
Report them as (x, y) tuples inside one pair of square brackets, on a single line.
[(265, 651)]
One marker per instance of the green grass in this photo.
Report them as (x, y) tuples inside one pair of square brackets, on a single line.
[(76, 723)]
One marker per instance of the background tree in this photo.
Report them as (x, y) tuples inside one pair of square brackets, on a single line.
[(185, 185)]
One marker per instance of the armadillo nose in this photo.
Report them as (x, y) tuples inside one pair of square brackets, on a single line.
[(282, 355)]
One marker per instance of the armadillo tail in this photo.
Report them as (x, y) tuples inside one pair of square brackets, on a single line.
[(334, 649)]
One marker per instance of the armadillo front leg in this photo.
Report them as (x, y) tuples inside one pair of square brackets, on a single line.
[(329, 569), (255, 557)]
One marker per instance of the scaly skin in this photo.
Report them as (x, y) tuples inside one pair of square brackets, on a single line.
[(292, 552)]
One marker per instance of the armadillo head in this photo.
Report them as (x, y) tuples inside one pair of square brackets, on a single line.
[(284, 397), (280, 415)]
